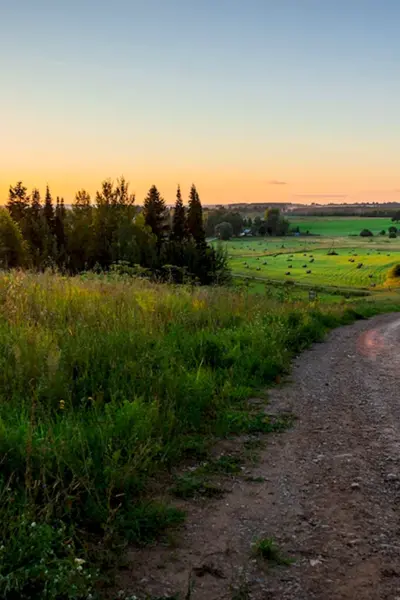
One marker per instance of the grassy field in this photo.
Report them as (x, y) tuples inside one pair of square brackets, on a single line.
[(340, 226), (334, 260), (106, 382)]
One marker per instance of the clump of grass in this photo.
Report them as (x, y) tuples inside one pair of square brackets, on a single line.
[(226, 464), (191, 485), (267, 549)]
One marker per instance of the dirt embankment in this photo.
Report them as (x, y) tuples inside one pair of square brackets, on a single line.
[(327, 490)]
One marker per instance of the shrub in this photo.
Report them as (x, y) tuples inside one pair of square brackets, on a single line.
[(394, 272), (224, 231), (12, 246), (392, 235), (366, 233)]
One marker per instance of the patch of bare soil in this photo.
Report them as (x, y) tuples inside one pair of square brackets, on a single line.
[(327, 490)]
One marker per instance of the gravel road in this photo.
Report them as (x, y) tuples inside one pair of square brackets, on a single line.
[(330, 495)]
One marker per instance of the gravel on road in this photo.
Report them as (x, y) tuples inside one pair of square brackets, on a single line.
[(328, 489)]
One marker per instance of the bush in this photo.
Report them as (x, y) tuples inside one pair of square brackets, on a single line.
[(12, 246), (366, 233), (224, 231), (394, 272), (392, 235)]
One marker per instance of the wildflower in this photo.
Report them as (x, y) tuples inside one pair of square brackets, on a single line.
[(79, 561), (62, 404), (33, 524)]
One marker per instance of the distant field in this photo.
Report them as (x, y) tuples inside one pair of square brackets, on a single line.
[(340, 226), (290, 259)]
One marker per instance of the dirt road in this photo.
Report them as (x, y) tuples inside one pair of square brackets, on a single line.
[(330, 496)]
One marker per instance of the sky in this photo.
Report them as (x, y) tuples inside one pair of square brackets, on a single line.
[(252, 100)]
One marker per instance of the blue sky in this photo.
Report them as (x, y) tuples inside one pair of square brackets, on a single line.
[(230, 94)]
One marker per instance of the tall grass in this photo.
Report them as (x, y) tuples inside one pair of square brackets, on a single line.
[(103, 382)]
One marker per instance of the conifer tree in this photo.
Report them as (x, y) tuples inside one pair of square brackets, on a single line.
[(155, 214), (18, 204), (59, 224), (48, 210), (179, 227), (195, 218), (36, 230), (36, 207)]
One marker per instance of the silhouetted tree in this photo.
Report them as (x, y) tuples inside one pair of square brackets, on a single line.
[(59, 230), (179, 228), (80, 233), (155, 214), (18, 205), (195, 218), (111, 234), (36, 230), (48, 210)]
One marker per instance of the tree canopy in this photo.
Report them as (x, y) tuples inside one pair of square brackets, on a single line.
[(110, 232)]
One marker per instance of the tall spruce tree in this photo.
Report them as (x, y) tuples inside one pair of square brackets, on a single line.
[(18, 204), (50, 242), (179, 227), (155, 214), (48, 210), (36, 207), (59, 228), (195, 218), (36, 230)]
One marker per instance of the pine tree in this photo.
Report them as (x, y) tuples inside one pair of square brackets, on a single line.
[(48, 210), (49, 240), (36, 207), (179, 227), (18, 204), (36, 229), (195, 218), (59, 225), (155, 214), (62, 209)]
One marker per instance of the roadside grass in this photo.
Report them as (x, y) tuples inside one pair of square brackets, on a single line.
[(106, 382)]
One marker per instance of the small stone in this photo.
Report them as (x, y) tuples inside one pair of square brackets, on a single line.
[(355, 486), (314, 562), (391, 477)]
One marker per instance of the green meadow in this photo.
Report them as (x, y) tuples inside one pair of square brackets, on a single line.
[(333, 257), (340, 226)]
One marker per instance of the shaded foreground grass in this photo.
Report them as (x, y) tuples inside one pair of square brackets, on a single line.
[(104, 382)]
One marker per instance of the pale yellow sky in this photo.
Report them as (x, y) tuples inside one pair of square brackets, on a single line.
[(305, 93)]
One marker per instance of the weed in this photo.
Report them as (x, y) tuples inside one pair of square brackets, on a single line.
[(267, 549), (190, 486), (229, 465)]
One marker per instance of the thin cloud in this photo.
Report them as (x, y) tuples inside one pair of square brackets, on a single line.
[(277, 182)]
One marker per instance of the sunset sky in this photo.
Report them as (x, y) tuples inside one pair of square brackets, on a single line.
[(253, 100)]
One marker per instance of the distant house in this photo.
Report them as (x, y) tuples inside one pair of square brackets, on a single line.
[(245, 233)]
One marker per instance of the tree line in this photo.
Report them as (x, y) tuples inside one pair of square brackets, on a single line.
[(225, 224), (110, 233)]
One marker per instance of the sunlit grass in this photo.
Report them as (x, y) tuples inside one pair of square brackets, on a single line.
[(106, 381)]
